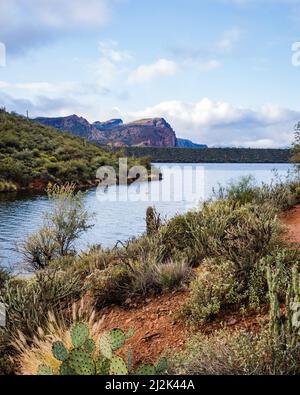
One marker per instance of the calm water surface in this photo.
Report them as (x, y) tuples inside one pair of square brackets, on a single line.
[(20, 216)]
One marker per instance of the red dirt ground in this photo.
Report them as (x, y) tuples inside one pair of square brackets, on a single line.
[(292, 221), (158, 330), (153, 320)]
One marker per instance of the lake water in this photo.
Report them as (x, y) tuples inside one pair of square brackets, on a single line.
[(119, 214)]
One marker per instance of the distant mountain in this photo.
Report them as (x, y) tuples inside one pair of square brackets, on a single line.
[(144, 133), (74, 124), (183, 143), (109, 125), (155, 132)]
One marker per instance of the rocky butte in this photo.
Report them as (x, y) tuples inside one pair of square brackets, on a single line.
[(154, 132)]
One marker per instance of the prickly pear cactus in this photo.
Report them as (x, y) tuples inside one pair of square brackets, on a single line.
[(79, 334), (117, 339), (82, 363), (89, 346), (66, 370), (84, 358), (105, 346), (162, 366), (102, 366), (59, 351), (118, 367), (146, 370)]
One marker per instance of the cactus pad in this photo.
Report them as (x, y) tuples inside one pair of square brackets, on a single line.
[(118, 366), (44, 370), (105, 346), (66, 370), (89, 346), (79, 334), (117, 338), (82, 363), (162, 366), (102, 366), (59, 351), (146, 370)]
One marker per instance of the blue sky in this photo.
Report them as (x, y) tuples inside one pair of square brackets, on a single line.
[(220, 71)]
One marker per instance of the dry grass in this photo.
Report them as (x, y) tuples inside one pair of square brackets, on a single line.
[(32, 354)]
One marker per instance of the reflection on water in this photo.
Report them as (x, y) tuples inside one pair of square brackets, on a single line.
[(21, 215)]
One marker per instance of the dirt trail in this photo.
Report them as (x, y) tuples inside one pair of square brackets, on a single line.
[(292, 220), (157, 330)]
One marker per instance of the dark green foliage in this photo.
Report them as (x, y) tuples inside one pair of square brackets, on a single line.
[(211, 155), (31, 155)]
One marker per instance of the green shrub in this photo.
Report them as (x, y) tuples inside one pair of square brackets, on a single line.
[(62, 226), (216, 287), (110, 285), (172, 275), (242, 191), (228, 352)]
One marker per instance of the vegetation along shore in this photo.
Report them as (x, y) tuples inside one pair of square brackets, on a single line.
[(207, 292), (32, 155)]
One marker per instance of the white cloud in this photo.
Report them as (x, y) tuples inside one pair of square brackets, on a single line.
[(111, 69), (228, 40), (109, 50), (28, 23), (221, 124), (209, 65), (162, 67)]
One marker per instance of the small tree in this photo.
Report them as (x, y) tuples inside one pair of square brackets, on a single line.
[(69, 219), (62, 227)]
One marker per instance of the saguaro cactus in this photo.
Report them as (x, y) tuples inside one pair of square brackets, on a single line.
[(153, 221)]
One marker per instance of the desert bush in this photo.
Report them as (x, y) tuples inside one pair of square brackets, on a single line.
[(109, 286), (172, 275), (96, 258), (69, 219), (242, 191), (39, 249), (237, 353), (240, 234), (216, 287), (27, 301), (62, 226), (280, 193)]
